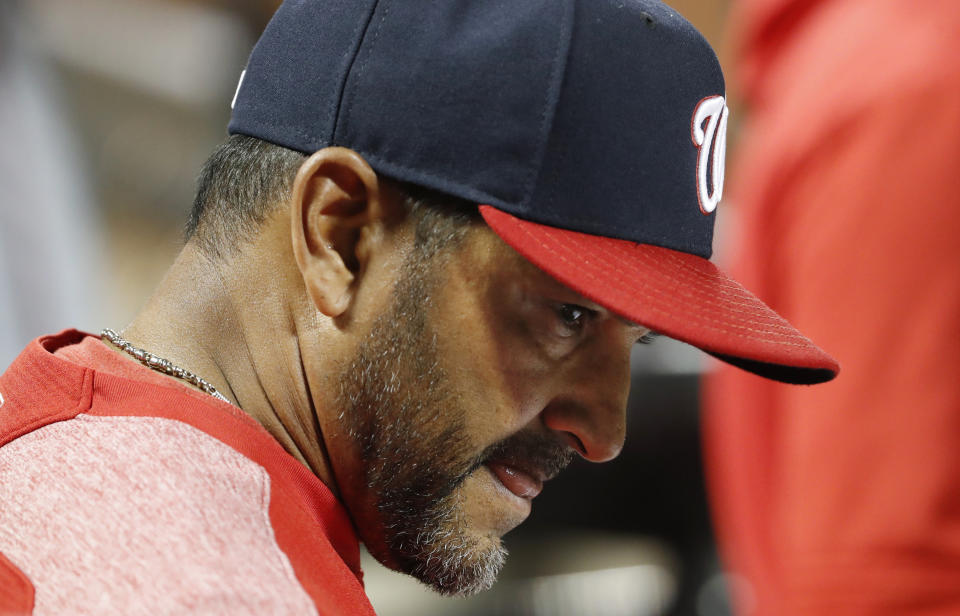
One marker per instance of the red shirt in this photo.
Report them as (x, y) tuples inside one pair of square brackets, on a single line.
[(842, 499), (124, 491)]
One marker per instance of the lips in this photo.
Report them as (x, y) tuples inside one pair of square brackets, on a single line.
[(520, 482), (525, 460)]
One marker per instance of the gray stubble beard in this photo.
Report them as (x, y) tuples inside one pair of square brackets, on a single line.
[(415, 446)]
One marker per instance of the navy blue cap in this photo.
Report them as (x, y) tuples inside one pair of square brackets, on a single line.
[(601, 117)]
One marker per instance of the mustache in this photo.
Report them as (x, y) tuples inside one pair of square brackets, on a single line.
[(538, 454)]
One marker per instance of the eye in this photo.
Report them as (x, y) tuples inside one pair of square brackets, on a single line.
[(572, 319)]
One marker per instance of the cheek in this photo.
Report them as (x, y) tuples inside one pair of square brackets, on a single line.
[(499, 376)]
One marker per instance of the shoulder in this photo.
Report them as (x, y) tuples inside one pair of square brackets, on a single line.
[(120, 493), (141, 511)]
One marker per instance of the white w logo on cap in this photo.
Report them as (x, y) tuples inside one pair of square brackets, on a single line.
[(712, 144)]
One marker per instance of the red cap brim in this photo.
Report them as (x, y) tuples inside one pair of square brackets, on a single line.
[(674, 293)]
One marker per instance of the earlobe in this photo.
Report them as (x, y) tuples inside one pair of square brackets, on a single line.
[(334, 196), (329, 288)]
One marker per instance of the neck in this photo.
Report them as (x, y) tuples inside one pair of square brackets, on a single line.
[(249, 350)]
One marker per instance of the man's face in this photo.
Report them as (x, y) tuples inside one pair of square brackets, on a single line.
[(482, 380)]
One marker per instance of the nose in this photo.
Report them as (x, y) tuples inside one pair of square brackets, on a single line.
[(589, 410)]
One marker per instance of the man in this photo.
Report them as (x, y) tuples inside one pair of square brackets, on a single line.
[(349, 347)]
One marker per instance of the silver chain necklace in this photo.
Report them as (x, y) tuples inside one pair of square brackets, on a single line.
[(160, 364)]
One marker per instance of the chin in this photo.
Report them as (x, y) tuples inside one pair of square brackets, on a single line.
[(444, 551), (462, 568)]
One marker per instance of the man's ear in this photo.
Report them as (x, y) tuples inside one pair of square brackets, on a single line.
[(335, 196)]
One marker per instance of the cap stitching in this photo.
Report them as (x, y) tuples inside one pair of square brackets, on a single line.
[(739, 291), (780, 324), (766, 335), (773, 321), (761, 324), (617, 231), (607, 252), (438, 182), (552, 99), (697, 320), (338, 106), (252, 127), (350, 92), (720, 281)]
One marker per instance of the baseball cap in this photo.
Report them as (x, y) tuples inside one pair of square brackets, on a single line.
[(591, 134)]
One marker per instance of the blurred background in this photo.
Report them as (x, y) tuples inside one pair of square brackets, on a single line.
[(107, 110)]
